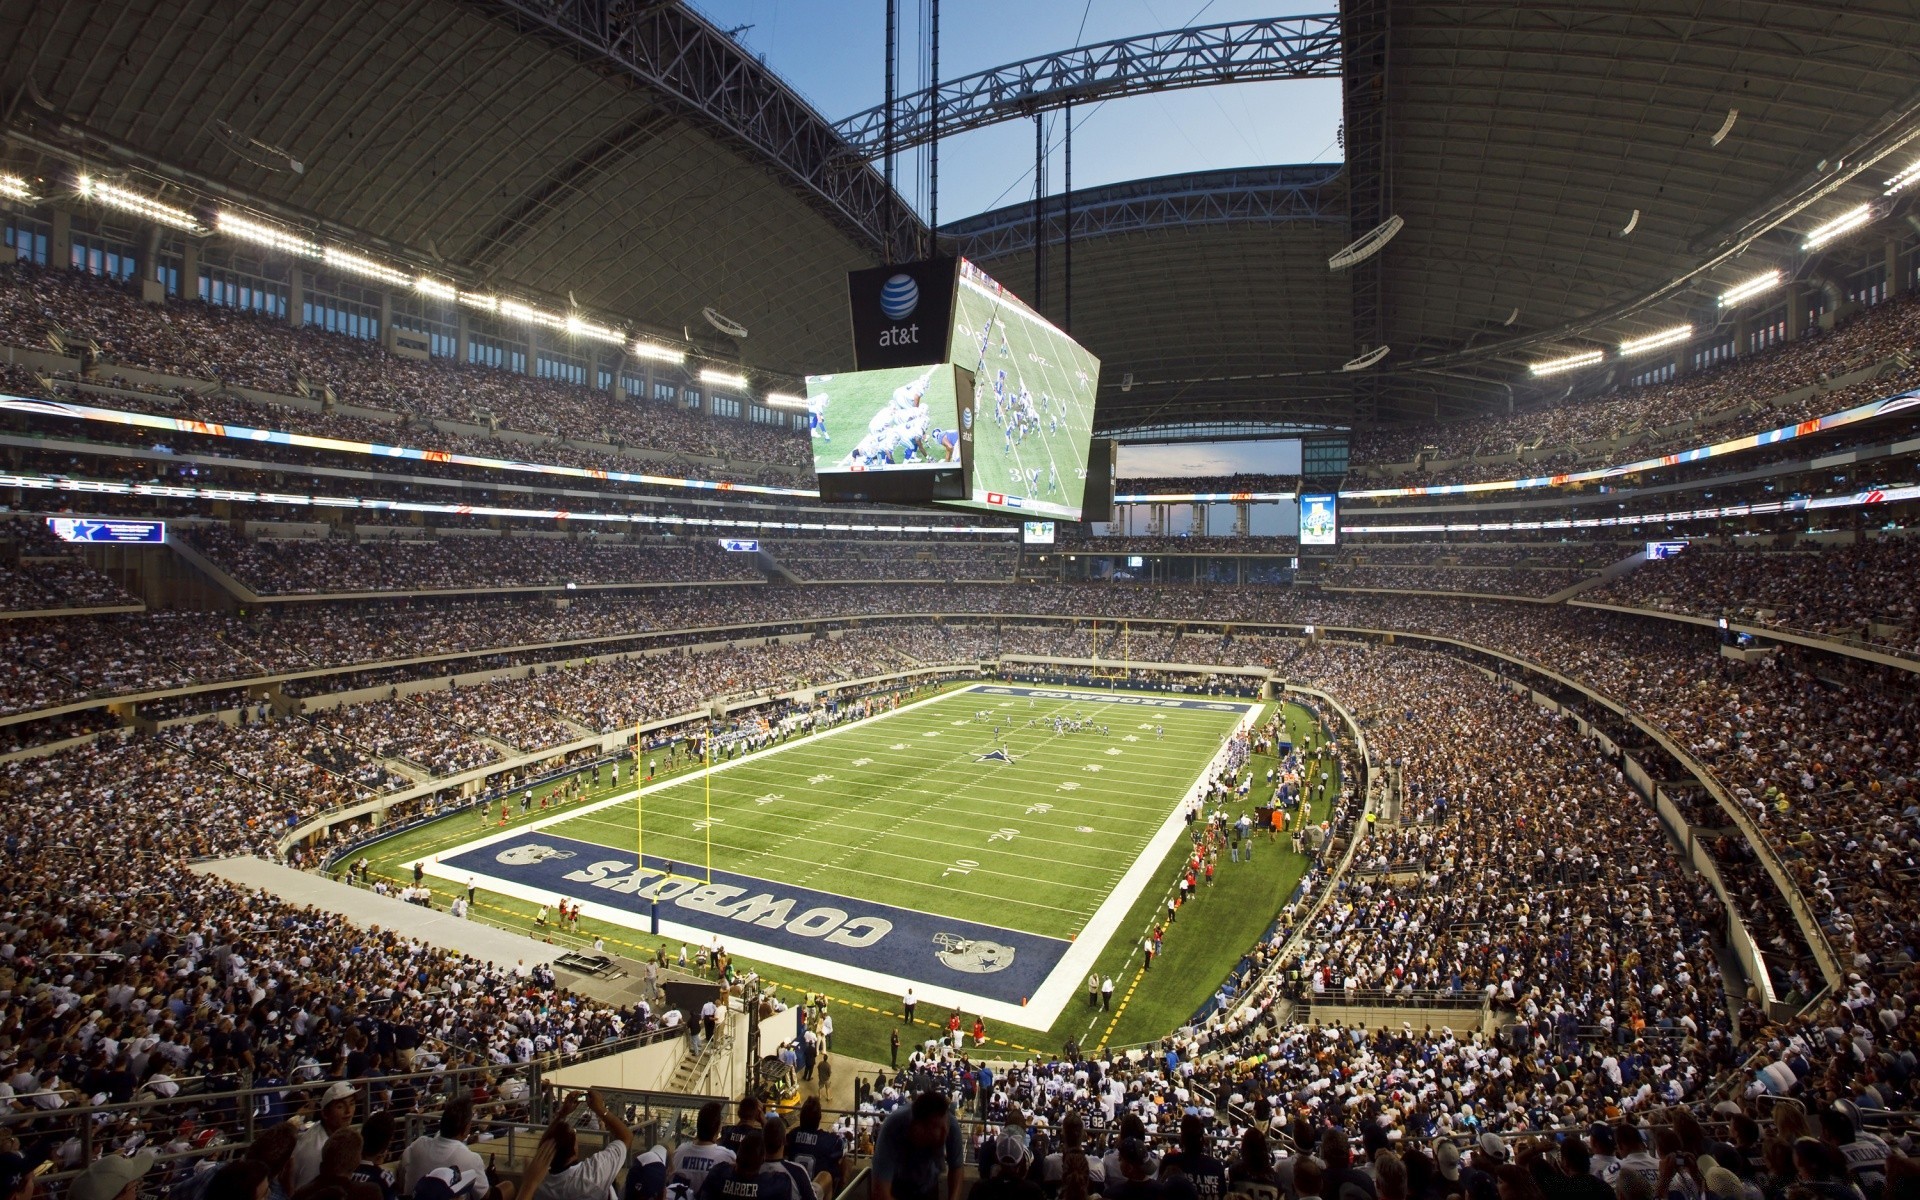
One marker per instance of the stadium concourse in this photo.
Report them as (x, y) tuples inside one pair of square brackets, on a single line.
[(441, 668)]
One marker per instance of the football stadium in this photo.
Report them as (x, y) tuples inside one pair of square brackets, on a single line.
[(1329, 612)]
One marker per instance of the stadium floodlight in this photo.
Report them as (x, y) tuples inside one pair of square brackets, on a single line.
[(657, 353), (1560, 366), (1659, 340), (140, 206), (1747, 289), (1904, 179), (359, 264), (1841, 225), (273, 237), (15, 188), (783, 400), (579, 327), (481, 301), (436, 289), (513, 310), (726, 379)]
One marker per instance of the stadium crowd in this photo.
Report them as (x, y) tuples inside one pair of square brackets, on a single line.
[(40, 572), (1536, 582), (1844, 590), (1824, 780), (896, 561), (1869, 337), (291, 567), (199, 341)]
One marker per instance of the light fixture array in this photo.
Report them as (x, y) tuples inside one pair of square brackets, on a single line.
[(1739, 293), (15, 188), (725, 379), (1840, 226), (1560, 366), (110, 196), (656, 352), (283, 240), (1658, 340), (1904, 179), (1747, 289)]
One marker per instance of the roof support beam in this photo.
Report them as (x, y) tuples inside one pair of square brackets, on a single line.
[(1239, 52), (708, 77), (1364, 44)]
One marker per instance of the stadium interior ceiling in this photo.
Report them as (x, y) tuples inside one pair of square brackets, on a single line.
[(1518, 141)]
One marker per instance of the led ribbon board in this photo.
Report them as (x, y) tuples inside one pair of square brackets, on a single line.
[(108, 529), (306, 441)]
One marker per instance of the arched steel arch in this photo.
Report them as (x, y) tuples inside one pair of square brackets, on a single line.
[(1240, 52), (680, 57)]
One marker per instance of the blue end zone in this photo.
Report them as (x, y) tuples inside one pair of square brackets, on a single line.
[(997, 964)]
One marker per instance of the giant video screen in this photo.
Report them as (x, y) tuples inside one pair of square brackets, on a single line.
[(1319, 519), (1032, 404), (896, 419)]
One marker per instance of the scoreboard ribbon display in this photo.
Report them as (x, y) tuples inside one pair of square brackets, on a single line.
[(103, 529)]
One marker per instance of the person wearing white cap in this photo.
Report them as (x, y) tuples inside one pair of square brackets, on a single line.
[(112, 1177), (336, 1113), (1009, 1182)]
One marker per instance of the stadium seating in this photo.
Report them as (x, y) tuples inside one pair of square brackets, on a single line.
[(197, 341), (1664, 414), (40, 573), (1860, 591), (1472, 892), (283, 567)]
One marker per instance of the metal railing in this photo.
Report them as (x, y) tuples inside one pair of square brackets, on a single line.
[(514, 1106)]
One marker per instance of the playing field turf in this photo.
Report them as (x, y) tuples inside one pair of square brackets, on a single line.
[(1207, 940), (903, 811), (963, 845)]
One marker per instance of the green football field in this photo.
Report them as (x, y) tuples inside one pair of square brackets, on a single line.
[(901, 810), (1206, 942)]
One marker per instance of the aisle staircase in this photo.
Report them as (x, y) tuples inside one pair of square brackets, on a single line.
[(1612, 572)]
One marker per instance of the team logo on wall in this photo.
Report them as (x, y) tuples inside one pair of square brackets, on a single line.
[(899, 296), (972, 956), (529, 854)]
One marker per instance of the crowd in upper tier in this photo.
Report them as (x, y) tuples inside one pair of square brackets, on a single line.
[(1498, 581), (393, 564), (1847, 590), (1704, 407), (195, 340), (1868, 338), (39, 572)]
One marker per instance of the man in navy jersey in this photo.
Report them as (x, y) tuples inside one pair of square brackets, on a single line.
[(918, 1150), (815, 1149), (777, 1160), (752, 1115), (1207, 1174)]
